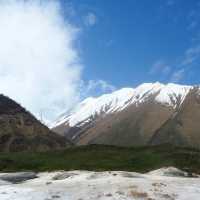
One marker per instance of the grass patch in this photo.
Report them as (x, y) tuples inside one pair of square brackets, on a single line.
[(103, 158)]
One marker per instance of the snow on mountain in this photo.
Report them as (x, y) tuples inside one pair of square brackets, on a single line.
[(173, 94), (91, 107), (169, 95)]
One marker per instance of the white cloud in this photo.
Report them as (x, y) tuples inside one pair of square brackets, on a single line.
[(178, 75), (105, 86), (39, 65), (96, 87), (90, 19), (170, 2), (191, 55), (192, 25), (160, 67), (182, 66)]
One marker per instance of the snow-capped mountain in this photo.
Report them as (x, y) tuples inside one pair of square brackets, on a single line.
[(169, 95), (152, 113)]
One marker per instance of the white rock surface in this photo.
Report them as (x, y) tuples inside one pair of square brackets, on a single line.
[(169, 171), (170, 95), (84, 185)]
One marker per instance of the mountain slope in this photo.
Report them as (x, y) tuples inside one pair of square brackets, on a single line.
[(135, 116), (21, 131), (184, 127)]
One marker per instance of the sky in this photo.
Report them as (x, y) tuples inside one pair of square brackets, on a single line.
[(133, 41), (54, 53)]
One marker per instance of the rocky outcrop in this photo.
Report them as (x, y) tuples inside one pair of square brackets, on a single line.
[(21, 131)]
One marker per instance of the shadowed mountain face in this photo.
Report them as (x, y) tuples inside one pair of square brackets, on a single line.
[(21, 131), (163, 114)]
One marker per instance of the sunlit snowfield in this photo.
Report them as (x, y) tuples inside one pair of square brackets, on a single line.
[(84, 185)]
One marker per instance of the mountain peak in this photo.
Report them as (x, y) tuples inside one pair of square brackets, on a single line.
[(167, 94)]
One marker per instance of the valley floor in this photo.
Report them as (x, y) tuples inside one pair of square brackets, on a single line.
[(116, 185)]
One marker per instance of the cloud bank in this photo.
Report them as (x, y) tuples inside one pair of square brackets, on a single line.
[(39, 64)]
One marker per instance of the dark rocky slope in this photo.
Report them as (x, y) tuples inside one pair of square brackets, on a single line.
[(21, 131)]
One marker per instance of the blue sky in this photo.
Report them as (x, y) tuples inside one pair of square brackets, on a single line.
[(130, 42)]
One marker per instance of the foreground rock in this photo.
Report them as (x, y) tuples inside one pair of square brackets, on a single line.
[(85, 185), (172, 172), (18, 177)]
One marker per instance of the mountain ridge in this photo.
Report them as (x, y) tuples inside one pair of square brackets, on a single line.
[(125, 96), (150, 114)]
